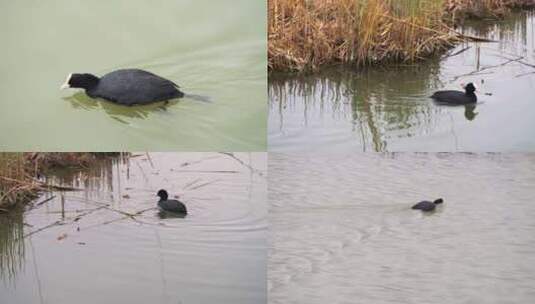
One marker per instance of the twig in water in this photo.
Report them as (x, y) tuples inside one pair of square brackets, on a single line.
[(473, 73), (229, 154), (150, 160), (127, 216), (191, 183), (457, 53), (189, 163), (44, 201), (518, 60), (524, 74), (478, 72), (203, 185), (56, 223)]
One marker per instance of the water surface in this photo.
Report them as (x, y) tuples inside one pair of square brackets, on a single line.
[(215, 49), (90, 251), (342, 231), (388, 108)]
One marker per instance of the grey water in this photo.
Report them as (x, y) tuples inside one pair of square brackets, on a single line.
[(388, 108), (83, 247), (342, 229)]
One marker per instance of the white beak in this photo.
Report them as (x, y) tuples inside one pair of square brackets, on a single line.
[(66, 84)]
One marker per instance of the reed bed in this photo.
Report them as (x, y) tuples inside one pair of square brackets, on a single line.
[(16, 184), (18, 171), (307, 34)]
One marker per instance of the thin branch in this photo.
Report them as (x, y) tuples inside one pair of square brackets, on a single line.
[(457, 53), (231, 155), (478, 72), (205, 184), (56, 223)]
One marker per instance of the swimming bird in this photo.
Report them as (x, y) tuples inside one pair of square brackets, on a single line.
[(457, 97), (427, 205), (170, 205), (126, 87)]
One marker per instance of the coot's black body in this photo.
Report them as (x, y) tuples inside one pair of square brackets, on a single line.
[(170, 205), (127, 87), (457, 97), (427, 205)]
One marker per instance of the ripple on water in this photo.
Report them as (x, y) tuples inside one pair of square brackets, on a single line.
[(342, 228), (216, 253)]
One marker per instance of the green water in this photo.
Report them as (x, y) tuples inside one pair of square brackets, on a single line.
[(215, 49)]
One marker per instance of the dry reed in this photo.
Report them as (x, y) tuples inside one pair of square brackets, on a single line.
[(307, 34), (15, 182), (17, 172)]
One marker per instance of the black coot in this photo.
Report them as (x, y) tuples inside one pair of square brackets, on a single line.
[(427, 205), (170, 205), (127, 87), (457, 97)]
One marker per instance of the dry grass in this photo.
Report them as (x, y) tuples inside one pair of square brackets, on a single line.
[(17, 172), (307, 34), (15, 182)]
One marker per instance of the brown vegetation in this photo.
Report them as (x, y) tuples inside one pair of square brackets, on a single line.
[(16, 185), (18, 171), (307, 34)]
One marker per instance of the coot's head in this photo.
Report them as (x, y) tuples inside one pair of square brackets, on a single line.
[(82, 81), (162, 194), (438, 201), (470, 88)]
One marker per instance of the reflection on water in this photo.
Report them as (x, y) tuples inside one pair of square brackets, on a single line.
[(167, 215), (389, 109), (118, 112), (11, 244), (376, 105), (469, 112), (342, 229), (108, 240)]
